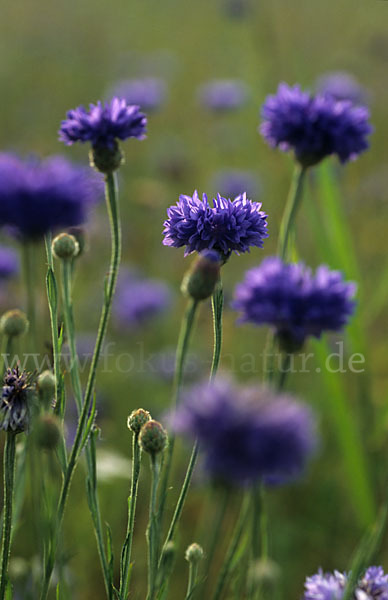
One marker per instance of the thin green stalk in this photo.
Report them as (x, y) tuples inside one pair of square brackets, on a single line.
[(233, 546), (193, 573), (28, 263), (217, 307), (180, 360), (217, 528), (127, 546), (84, 419), (9, 475), (153, 530), (52, 298), (290, 211)]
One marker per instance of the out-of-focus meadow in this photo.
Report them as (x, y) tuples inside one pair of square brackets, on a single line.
[(57, 55)]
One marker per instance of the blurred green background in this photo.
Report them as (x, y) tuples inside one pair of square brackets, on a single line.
[(57, 55)]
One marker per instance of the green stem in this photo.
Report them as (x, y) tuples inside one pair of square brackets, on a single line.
[(52, 298), (193, 572), (114, 220), (9, 474), (180, 360), (153, 530), (290, 211), (127, 546), (234, 542), (217, 307), (28, 263)]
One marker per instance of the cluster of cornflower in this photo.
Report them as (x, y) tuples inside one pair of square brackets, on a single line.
[(249, 436)]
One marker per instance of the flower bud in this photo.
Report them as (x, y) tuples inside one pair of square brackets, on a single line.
[(14, 323), (106, 160), (194, 553), (264, 573), (46, 387), (167, 559), (202, 277), (153, 437), (65, 246), (80, 235), (137, 419), (47, 432)]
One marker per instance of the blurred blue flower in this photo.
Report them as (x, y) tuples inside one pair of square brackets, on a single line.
[(234, 182), (103, 124), (226, 226), (247, 434), (223, 94), (342, 86), (331, 586), (139, 299), (295, 302), (314, 126), (41, 196), (149, 93), (9, 263)]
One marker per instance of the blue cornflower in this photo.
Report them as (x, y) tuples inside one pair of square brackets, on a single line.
[(247, 434), (149, 93), (9, 263), (331, 586), (293, 301), (16, 395), (234, 182), (37, 197), (228, 225), (314, 126), (223, 94), (342, 86), (103, 124), (138, 299)]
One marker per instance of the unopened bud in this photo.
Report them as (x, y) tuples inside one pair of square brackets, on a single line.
[(47, 432), (153, 437), (80, 235), (65, 246), (202, 277), (14, 323), (137, 419), (194, 553), (46, 384), (264, 573)]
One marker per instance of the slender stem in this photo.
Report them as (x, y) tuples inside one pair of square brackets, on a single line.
[(9, 474), (153, 530), (216, 530), (52, 298), (217, 307), (180, 360), (28, 260), (234, 542), (114, 219), (127, 546), (193, 572), (290, 211)]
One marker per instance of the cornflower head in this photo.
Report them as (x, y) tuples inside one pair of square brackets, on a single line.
[(222, 95), (41, 196), (102, 126), (294, 301), (247, 434), (224, 225), (314, 127), (331, 586), (15, 404)]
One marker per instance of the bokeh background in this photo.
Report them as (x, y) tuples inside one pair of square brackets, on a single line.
[(57, 55)]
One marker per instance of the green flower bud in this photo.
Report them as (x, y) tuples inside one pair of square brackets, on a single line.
[(80, 235), (106, 160), (137, 419), (47, 432), (202, 277), (65, 246), (264, 573), (153, 437), (194, 553), (46, 383), (14, 323)]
